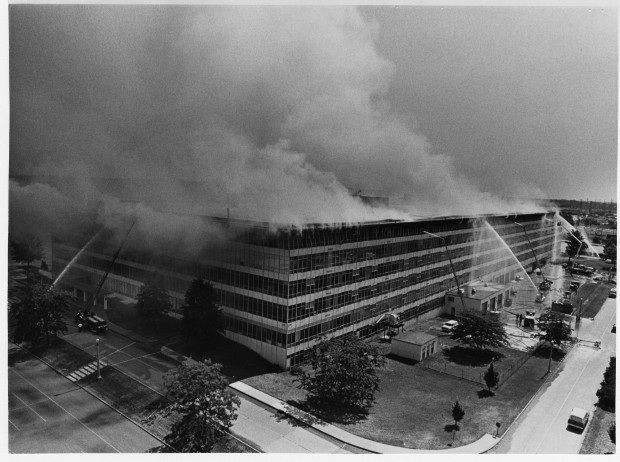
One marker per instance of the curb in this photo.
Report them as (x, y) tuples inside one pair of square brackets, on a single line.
[(534, 396), (98, 398), (354, 440)]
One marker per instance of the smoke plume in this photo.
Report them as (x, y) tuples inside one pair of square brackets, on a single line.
[(275, 113)]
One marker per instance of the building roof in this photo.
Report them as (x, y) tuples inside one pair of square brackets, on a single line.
[(482, 290), (416, 338)]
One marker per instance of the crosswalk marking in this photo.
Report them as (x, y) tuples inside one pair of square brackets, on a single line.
[(85, 371)]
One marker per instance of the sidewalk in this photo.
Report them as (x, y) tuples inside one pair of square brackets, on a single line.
[(482, 445), (309, 444)]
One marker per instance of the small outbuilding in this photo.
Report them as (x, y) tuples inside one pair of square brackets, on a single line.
[(414, 345)]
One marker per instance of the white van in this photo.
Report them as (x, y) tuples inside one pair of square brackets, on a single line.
[(578, 418)]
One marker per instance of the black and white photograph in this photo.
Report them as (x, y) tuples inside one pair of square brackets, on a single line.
[(310, 228)]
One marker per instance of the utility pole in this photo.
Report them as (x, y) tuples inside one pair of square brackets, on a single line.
[(98, 367)]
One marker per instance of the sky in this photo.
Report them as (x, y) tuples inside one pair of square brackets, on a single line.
[(280, 113), (519, 97)]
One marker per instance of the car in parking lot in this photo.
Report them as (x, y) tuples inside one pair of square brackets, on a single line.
[(449, 326), (612, 293), (578, 418), (89, 320)]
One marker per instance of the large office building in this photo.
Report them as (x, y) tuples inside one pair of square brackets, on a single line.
[(283, 289)]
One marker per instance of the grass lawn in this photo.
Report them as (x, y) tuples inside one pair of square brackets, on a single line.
[(459, 360), (597, 439), (594, 295), (413, 406)]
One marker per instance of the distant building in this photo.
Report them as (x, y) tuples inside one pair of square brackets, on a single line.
[(283, 290), (375, 201)]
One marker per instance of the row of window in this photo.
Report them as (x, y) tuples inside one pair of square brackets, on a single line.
[(253, 305), (321, 235), (366, 331), (251, 330), (283, 289)]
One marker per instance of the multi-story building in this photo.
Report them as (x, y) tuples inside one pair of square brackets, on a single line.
[(282, 290)]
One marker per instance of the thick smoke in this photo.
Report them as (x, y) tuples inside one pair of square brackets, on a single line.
[(273, 113)]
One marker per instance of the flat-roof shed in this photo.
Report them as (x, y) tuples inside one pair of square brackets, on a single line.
[(414, 345)]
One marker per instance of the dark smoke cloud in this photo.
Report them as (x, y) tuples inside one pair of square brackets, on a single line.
[(276, 113), (40, 209)]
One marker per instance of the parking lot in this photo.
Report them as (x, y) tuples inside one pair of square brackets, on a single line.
[(50, 414), (142, 361)]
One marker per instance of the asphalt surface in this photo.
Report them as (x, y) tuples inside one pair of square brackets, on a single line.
[(542, 428), (257, 423), (50, 414)]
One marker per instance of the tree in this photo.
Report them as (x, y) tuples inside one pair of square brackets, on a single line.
[(199, 392), (568, 217), (491, 378), (153, 300), (610, 250), (26, 248), (457, 413), (202, 315), (575, 244), (556, 330), (607, 393), (479, 332), (39, 313), (343, 372)]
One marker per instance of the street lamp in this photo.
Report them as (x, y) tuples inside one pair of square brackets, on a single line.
[(456, 279), (98, 367)]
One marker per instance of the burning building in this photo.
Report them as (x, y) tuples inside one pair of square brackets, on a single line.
[(282, 289)]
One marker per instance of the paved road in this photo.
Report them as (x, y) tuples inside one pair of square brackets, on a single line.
[(50, 414), (256, 423), (542, 428)]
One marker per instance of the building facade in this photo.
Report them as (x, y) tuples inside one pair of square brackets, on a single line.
[(478, 297), (282, 290)]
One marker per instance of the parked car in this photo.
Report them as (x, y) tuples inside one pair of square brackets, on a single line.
[(92, 322), (612, 293), (578, 418), (449, 326), (613, 329)]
